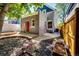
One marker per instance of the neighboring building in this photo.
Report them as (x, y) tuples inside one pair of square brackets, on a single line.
[(12, 21), (71, 10), (39, 23), (11, 25)]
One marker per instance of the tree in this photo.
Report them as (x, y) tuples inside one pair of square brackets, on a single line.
[(61, 9), (3, 10), (16, 10)]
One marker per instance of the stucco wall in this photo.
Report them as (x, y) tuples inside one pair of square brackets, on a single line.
[(23, 28), (11, 27), (50, 17), (42, 23), (32, 29)]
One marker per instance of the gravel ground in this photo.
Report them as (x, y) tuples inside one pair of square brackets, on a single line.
[(23, 47), (7, 45)]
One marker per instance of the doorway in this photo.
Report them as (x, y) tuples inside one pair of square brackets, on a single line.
[(27, 26)]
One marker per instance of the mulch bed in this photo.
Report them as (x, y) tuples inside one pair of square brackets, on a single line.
[(14, 46), (8, 44)]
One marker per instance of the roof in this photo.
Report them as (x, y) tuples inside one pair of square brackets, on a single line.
[(45, 7), (29, 15), (36, 13)]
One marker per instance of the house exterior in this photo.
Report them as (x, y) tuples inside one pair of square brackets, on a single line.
[(50, 21), (34, 24), (39, 23), (30, 24)]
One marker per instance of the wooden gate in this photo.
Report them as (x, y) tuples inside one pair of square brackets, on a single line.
[(71, 33)]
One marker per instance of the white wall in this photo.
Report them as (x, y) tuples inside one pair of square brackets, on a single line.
[(11, 27), (42, 23), (50, 17)]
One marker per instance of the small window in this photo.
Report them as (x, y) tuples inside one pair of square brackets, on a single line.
[(33, 22), (49, 24)]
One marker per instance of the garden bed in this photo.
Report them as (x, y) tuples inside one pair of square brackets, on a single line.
[(7, 44)]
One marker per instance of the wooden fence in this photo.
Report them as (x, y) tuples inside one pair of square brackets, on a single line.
[(71, 33)]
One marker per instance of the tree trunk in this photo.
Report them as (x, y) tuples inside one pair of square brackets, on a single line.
[(1, 24), (4, 9)]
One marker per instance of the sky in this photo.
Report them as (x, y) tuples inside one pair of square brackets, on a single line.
[(51, 5)]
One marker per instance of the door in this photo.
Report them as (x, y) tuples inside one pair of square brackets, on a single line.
[(27, 26)]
